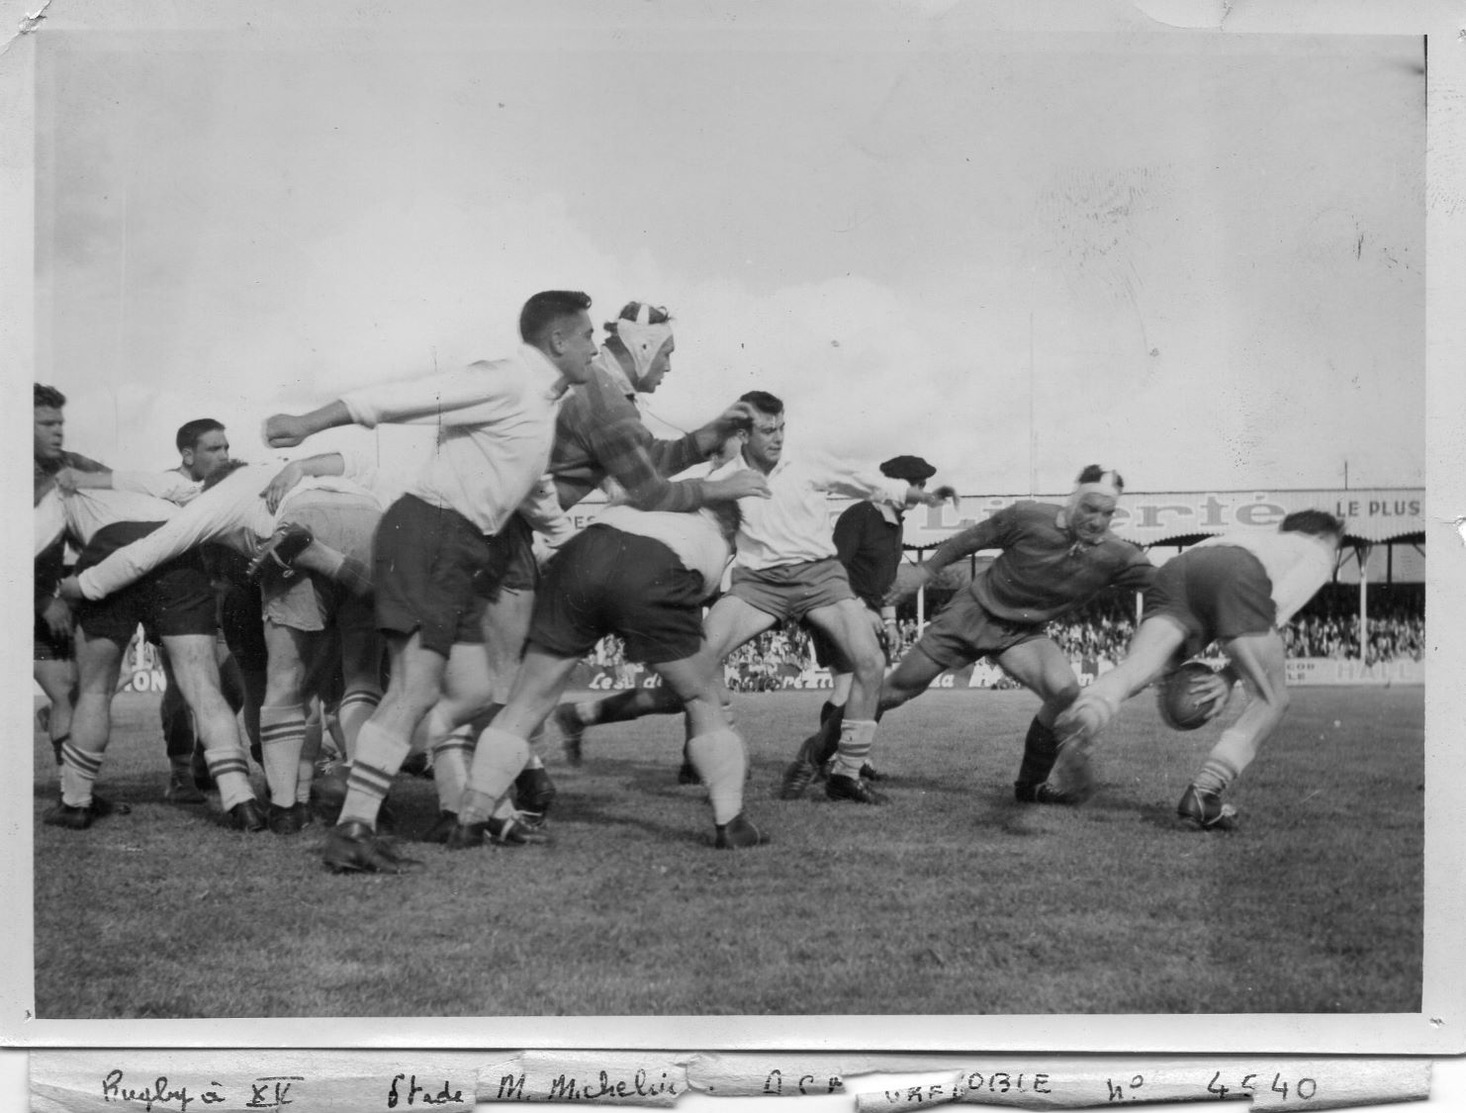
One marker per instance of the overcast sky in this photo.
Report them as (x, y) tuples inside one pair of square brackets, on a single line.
[(1197, 259)]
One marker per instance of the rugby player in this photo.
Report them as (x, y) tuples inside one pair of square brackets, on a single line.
[(868, 543), (1054, 559), (175, 605), (600, 440), (53, 662), (1236, 589), (437, 556), (306, 617), (786, 568), (642, 575)]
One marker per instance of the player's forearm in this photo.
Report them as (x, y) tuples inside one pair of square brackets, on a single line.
[(971, 540), (330, 416)]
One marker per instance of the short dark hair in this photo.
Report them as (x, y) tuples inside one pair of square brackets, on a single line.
[(763, 402), (190, 431), (49, 397), (1316, 523), (1094, 473), (547, 307), (655, 315), (222, 472)]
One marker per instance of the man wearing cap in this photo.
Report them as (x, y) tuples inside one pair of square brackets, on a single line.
[(1054, 560), (868, 544)]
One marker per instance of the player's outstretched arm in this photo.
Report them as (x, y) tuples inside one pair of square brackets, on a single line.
[(734, 419), (937, 496), (289, 430)]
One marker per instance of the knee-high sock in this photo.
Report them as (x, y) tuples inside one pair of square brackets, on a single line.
[(59, 743), (498, 759), (1233, 753), (1040, 749), (450, 767), (229, 766), (379, 754), (721, 760), (282, 740), (79, 770), (355, 709), (856, 738)]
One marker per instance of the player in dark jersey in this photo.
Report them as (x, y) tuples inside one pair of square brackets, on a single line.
[(1054, 559), (868, 544)]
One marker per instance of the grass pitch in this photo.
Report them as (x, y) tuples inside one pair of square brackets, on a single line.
[(951, 900)]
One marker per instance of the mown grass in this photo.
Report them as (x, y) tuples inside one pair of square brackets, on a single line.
[(950, 900)]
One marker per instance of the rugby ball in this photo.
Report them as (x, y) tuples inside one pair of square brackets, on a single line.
[(1180, 707)]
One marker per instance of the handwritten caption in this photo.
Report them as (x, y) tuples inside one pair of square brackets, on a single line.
[(267, 1092), (401, 1091)]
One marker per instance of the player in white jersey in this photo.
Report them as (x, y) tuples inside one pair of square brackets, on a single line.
[(435, 559), (175, 604), (305, 616), (786, 568), (1236, 589)]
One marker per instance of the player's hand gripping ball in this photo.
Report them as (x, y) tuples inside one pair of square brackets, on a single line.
[(1189, 697)]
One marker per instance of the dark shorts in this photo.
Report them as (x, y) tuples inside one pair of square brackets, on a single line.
[(433, 572), (965, 631), (791, 591), (45, 647), (515, 542), (174, 599), (604, 581), (1214, 592), (242, 626)]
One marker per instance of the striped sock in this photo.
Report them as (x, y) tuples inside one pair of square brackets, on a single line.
[(355, 709), (59, 743), (721, 760), (856, 738), (379, 754), (229, 766), (78, 773), (450, 767), (498, 758), (282, 740)]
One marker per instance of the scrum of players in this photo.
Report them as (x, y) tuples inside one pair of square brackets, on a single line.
[(439, 614)]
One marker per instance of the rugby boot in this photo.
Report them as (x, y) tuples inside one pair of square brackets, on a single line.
[(1043, 793), (280, 551), (353, 847), (72, 818), (245, 816), (534, 791), (843, 787), (799, 774), (290, 820), (738, 833), (182, 789), (1204, 811)]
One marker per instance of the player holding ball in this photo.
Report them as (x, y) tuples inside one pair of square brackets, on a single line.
[(1236, 589)]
